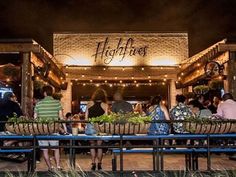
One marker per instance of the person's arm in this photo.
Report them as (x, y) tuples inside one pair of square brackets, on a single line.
[(166, 113), (61, 117), (219, 110), (86, 112)]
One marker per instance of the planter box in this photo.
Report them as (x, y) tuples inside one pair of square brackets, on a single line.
[(213, 127), (124, 129), (33, 128)]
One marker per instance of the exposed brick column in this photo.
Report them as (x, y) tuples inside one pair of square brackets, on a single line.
[(67, 98), (172, 93)]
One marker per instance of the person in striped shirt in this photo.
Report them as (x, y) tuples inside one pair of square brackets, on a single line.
[(51, 109)]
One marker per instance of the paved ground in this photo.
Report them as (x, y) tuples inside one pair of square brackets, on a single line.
[(132, 162)]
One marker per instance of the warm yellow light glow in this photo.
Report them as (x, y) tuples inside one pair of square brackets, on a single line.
[(150, 84), (163, 61), (8, 79), (110, 85), (163, 83), (78, 60), (91, 80), (149, 77), (105, 81), (132, 77), (135, 81), (165, 75), (150, 80), (120, 81), (182, 74), (99, 77), (76, 79), (164, 80), (67, 74), (97, 85), (84, 84), (142, 68), (82, 75), (104, 69), (115, 77), (137, 85)]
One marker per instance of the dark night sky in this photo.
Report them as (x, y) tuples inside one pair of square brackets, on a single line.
[(206, 21)]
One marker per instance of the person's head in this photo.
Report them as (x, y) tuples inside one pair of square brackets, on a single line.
[(216, 100), (10, 96), (195, 106), (99, 95), (68, 116), (156, 100), (118, 96), (180, 98), (138, 108), (201, 99), (47, 90), (227, 96)]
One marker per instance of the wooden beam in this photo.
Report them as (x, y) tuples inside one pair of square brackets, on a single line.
[(227, 47), (18, 47)]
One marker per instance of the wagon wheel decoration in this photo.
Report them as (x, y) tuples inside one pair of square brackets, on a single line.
[(213, 68)]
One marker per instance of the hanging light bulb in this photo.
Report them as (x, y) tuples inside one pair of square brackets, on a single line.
[(135, 81), (91, 81), (120, 81), (123, 68), (110, 85), (84, 84), (142, 68), (150, 80), (149, 77)]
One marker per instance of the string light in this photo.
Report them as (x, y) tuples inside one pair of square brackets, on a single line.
[(8, 79), (120, 81), (137, 85), (198, 64), (135, 81), (82, 75), (123, 69), (179, 78), (104, 69), (150, 80), (150, 84), (76, 79), (164, 79), (99, 77), (123, 85), (110, 85), (67, 74), (182, 74), (91, 81), (97, 85), (132, 77), (105, 81), (115, 77), (61, 78), (142, 68), (163, 83), (67, 66), (71, 83), (165, 75), (149, 77), (84, 84), (85, 69)]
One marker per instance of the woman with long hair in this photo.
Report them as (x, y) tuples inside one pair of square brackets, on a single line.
[(158, 112), (96, 107)]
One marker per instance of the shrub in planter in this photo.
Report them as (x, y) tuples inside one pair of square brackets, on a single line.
[(201, 89), (27, 126), (209, 125), (129, 123)]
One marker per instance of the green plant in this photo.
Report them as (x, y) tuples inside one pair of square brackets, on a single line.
[(121, 118), (216, 84), (201, 89)]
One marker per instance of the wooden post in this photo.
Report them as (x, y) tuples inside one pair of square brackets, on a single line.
[(231, 74), (27, 85)]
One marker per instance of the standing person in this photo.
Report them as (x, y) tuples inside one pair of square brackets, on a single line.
[(120, 105), (158, 112), (96, 107), (227, 109), (51, 109), (180, 112)]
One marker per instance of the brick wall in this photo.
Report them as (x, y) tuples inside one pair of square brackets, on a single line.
[(77, 49)]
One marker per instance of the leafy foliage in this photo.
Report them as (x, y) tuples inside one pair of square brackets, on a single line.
[(121, 118)]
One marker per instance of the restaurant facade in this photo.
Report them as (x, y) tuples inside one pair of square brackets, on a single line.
[(141, 65)]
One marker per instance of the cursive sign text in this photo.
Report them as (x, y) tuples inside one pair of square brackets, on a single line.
[(122, 50)]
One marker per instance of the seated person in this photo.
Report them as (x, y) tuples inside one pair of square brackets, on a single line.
[(199, 110)]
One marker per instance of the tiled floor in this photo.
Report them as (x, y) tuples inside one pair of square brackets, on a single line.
[(131, 162)]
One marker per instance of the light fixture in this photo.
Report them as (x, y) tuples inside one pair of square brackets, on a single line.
[(84, 84), (82, 75), (149, 77), (135, 81), (91, 81), (142, 68), (150, 80)]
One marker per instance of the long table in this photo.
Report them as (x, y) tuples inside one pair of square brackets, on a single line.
[(158, 147)]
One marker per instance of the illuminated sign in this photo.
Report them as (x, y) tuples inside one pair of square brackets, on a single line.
[(123, 49), (120, 49)]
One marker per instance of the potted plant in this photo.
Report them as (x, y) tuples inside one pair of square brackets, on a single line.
[(201, 89), (129, 123), (206, 125), (27, 126)]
